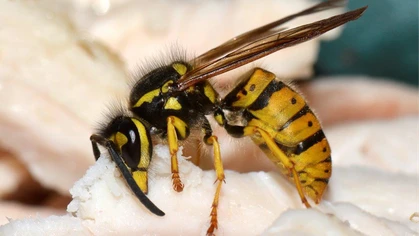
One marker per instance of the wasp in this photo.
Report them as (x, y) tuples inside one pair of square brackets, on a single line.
[(173, 99)]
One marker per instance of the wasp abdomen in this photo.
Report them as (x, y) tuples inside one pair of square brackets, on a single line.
[(275, 108)]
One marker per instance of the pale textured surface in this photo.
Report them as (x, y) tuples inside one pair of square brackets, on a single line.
[(56, 83), (360, 98), (199, 27), (137, 29), (12, 211), (46, 73), (359, 200)]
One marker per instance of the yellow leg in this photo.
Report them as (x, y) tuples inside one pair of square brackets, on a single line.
[(281, 156), (173, 147), (212, 140)]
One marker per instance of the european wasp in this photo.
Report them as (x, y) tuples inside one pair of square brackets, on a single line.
[(172, 99)]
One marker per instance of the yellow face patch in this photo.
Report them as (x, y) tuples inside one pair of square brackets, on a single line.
[(119, 139), (180, 68)]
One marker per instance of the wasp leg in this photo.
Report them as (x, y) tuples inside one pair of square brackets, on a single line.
[(175, 127), (218, 165), (241, 131), (251, 130), (126, 173)]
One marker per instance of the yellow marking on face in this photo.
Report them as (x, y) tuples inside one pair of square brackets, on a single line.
[(210, 92), (282, 105), (254, 87), (172, 104), (180, 68), (120, 139), (141, 178), (148, 97), (145, 144), (165, 87)]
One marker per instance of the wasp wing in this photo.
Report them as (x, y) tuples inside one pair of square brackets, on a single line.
[(261, 32), (265, 46)]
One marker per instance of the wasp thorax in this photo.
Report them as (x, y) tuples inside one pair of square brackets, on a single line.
[(152, 85)]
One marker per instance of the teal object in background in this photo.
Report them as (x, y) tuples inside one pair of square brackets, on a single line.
[(382, 43)]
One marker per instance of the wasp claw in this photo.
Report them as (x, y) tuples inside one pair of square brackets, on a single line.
[(177, 183), (214, 221)]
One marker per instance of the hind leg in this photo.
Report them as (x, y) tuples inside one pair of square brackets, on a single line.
[(282, 157), (219, 170)]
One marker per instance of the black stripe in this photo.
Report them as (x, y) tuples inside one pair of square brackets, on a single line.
[(264, 146), (328, 159), (308, 142), (326, 181), (315, 191), (297, 115), (248, 116), (265, 97)]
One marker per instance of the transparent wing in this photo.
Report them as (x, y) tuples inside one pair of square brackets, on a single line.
[(264, 46), (262, 32)]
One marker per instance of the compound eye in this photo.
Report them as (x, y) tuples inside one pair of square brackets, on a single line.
[(129, 141)]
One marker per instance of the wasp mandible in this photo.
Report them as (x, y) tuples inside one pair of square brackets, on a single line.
[(172, 99)]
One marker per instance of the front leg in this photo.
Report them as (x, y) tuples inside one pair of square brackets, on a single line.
[(175, 127)]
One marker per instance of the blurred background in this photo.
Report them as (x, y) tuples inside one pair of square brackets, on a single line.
[(63, 62), (384, 43)]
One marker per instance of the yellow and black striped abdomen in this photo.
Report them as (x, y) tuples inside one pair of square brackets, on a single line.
[(285, 116)]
